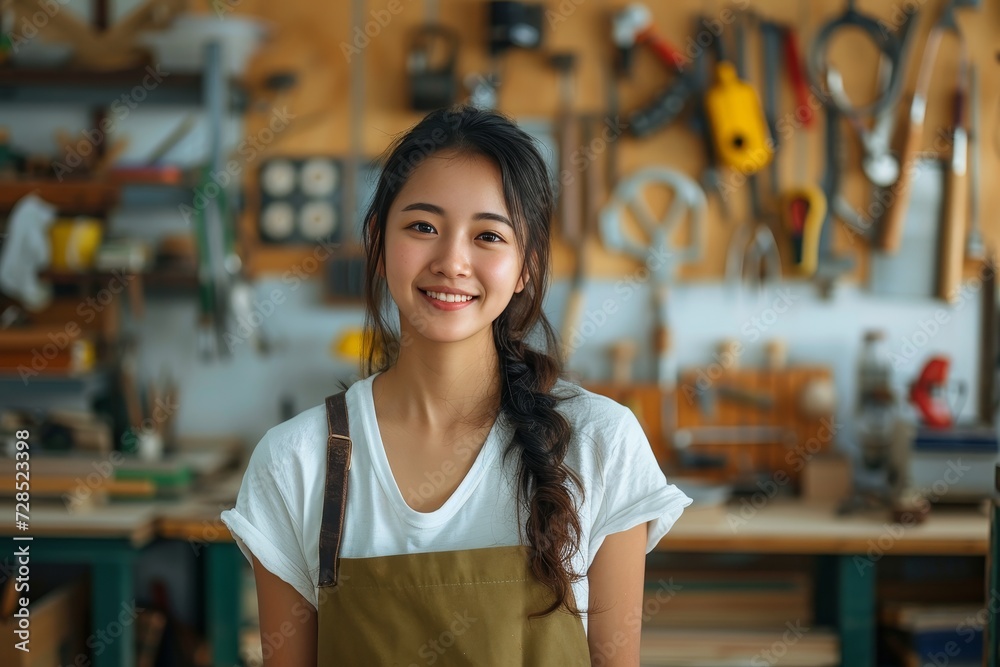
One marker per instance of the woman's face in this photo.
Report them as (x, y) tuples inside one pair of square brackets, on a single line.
[(449, 229)]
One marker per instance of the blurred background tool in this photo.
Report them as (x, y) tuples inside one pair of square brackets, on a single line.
[(657, 251), (739, 129), (956, 193), (430, 65), (892, 223), (928, 394), (911, 270), (804, 209), (632, 27), (975, 248)]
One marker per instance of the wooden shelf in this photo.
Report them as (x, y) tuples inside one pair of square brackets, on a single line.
[(165, 278), (34, 85), (70, 197)]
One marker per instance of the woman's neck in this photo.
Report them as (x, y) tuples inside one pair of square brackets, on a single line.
[(438, 389)]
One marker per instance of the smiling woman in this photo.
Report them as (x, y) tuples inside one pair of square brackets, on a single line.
[(463, 473), (456, 253)]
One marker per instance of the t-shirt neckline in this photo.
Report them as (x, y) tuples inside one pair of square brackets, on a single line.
[(383, 471)]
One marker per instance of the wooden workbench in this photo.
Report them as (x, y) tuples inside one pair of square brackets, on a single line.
[(792, 527), (110, 539), (849, 549)]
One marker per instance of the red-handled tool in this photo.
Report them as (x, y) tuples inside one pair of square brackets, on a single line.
[(793, 61), (633, 26), (805, 209)]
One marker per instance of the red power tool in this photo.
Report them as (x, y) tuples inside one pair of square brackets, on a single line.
[(927, 393)]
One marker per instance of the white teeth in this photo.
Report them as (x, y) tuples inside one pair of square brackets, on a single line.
[(450, 298)]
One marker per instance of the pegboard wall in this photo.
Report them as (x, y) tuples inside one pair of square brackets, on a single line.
[(319, 39)]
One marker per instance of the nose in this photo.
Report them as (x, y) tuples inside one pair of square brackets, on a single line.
[(451, 257)]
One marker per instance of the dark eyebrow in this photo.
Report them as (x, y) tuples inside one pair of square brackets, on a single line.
[(437, 210)]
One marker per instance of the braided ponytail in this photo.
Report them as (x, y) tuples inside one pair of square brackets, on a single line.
[(541, 438)]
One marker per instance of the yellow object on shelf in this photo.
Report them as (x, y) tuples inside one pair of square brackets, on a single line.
[(348, 345), (74, 243)]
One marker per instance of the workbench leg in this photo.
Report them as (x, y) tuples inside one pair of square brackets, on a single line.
[(856, 610), (224, 568), (113, 608), (993, 594)]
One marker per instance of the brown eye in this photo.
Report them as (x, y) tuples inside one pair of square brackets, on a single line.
[(498, 238)]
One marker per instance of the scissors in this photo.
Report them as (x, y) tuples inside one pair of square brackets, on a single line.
[(753, 252)]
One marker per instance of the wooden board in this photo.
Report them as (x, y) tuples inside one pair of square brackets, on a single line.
[(318, 38), (785, 387), (786, 527)]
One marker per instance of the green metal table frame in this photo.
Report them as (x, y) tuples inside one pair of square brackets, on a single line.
[(223, 567), (845, 599), (111, 563), (992, 636), (112, 586)]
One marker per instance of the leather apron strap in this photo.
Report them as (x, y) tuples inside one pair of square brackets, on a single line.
[(338, 463)]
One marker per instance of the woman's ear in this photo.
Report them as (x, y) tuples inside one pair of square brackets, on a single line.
[(522, 282)]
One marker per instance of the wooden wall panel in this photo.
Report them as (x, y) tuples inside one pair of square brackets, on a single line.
[(316, 32)]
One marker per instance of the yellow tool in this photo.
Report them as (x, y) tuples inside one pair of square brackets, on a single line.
[(804, 210), (739, 130)]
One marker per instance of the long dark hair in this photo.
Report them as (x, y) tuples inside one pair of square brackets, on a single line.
[(541, 433)]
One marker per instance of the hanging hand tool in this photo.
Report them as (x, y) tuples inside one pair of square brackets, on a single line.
[(515, 25), (892, 221), (793, 61), (611, 175), (432, 85), (830, 267), (804, 209), (753, 252), (975, 249), (753, 255), (593, 194), (956, 196), (569, 144), (632, 27), (659, 257), (657, 253), (570, 192), (880, 167), (739, 130), (711, 175)]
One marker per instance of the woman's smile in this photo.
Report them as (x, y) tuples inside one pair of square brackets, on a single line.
[(447, 301)]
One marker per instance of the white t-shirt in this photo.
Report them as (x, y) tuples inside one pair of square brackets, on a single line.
[(280, 503)]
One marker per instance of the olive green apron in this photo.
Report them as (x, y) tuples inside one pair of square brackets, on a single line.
[(463, 607)]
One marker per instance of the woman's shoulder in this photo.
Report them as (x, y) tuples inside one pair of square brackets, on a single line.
[(300, 434), (588, 410), (600, 425)]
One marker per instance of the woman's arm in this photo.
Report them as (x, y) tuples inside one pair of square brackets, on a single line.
[(287, 622), (616, 581)]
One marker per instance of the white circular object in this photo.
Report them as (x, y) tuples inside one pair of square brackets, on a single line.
[(278, 179), (317, 220), (278, 220), (819, 398), (319, 177)]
